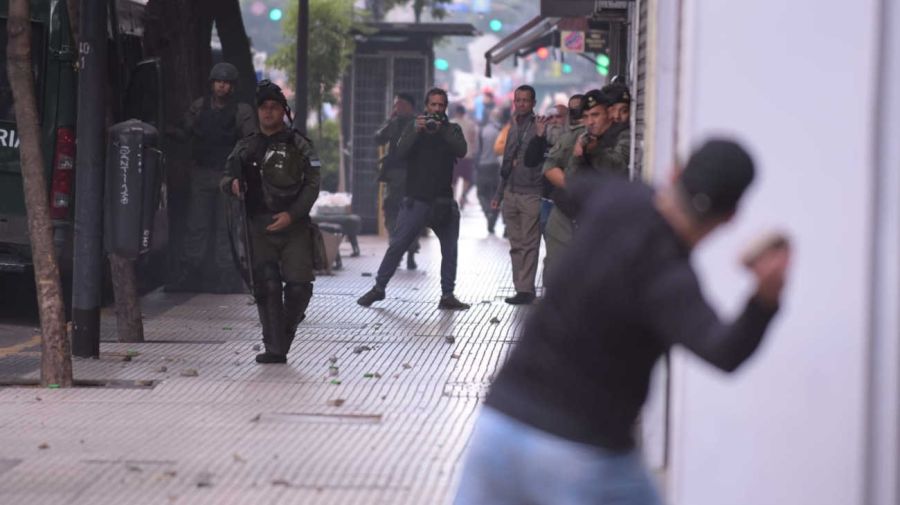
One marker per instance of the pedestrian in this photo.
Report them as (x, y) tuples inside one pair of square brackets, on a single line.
[(487, 173), (464, 169), (519, 194), (277, 173), (558, 421), (393, 168), (213, 124), (430, 145)]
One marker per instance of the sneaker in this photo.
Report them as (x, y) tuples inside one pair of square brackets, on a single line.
[(450, 302), (372, 296), (521, 298), (411, 261), (269, 358)]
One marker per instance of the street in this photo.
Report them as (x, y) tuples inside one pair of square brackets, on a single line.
[(374, 406)]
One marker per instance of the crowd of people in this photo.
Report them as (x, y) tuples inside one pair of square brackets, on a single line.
[(620, 289)]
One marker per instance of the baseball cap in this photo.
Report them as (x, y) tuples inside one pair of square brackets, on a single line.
[(716, 176)]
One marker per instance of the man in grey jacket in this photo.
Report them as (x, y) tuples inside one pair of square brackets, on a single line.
[(520, 193)]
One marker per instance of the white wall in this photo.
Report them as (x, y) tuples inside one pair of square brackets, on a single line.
[(796, 81)]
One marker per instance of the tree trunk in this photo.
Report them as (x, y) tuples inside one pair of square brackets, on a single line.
[(129, 326), (56, 359), (236, 46), (178, 32)]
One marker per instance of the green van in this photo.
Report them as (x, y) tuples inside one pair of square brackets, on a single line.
[(136, 88)]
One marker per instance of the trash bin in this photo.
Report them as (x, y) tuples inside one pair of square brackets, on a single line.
[(134, 173)]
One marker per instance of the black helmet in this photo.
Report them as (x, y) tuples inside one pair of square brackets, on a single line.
[(223, 71), (268, 90)]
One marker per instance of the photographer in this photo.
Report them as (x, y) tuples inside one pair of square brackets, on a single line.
[(430, 146)]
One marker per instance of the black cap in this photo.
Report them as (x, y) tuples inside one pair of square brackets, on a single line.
[(617, 93), (716, 176), (268, 90), (594, 98)]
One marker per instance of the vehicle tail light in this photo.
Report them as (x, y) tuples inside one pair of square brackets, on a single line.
[(63, 174)]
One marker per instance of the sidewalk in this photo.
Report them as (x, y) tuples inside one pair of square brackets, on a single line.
[(374, 407)]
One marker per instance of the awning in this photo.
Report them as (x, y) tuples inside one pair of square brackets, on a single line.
[(521, 41)]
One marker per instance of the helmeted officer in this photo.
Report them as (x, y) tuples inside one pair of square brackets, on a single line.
[(276, 171), (213, 124)]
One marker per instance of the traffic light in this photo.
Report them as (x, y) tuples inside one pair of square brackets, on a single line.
[(566, 68), (441, 64), (543, 53), (603, 64), (275, 14), (496, 25)]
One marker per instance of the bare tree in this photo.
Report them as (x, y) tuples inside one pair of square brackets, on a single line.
[(56, 359)]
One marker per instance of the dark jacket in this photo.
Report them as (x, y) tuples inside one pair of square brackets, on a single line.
[(430, 158)]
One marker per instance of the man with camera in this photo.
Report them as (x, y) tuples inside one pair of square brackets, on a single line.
[(430, 145)]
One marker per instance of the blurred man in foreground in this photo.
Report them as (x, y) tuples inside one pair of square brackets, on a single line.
[(557, 424)]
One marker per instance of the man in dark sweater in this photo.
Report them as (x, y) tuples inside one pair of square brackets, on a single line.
[(430, 145), (557, 423)]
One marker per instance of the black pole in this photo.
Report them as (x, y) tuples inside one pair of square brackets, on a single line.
[(301, 105), (89, 163)]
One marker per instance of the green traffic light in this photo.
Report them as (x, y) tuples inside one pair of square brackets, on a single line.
[(275, 14), (496, 25), (566, 68), (441, 64), (604, 71), (603, 60)]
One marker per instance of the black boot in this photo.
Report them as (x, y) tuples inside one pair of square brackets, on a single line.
[(271, 316), (411, 261), (296, 299)]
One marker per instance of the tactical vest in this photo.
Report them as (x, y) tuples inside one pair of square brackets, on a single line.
[(282, 170), (215, 134)]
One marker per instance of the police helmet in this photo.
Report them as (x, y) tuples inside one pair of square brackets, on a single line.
[(268, 90), (224, 71)]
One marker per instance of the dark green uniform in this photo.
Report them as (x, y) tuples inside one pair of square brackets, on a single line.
[(611, 155), (393, 174), (213, 132), (281, 174)]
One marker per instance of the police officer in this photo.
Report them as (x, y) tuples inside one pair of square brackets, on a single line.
[(276, 171), (596, 147), (213, 123), (393, 168)]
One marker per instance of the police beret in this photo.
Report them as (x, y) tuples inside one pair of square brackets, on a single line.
[(594, 98), (617, 93)]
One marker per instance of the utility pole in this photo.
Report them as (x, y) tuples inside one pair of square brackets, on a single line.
[(301, 94), (87, 278)]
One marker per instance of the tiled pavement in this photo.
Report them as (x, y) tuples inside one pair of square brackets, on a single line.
[(374, 407)]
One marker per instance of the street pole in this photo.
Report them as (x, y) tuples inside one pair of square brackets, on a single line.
[(301, 107), (87, 277)]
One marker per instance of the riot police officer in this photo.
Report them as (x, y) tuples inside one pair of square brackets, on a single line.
[(213, 123), (276, 172)]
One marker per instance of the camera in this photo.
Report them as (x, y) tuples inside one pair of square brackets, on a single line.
[(434, 121)]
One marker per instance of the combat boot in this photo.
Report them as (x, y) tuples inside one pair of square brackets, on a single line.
[(296, 300), (271, 317)]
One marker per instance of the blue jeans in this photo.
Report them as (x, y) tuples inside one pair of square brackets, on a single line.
[(415, 215), (511, 463)]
